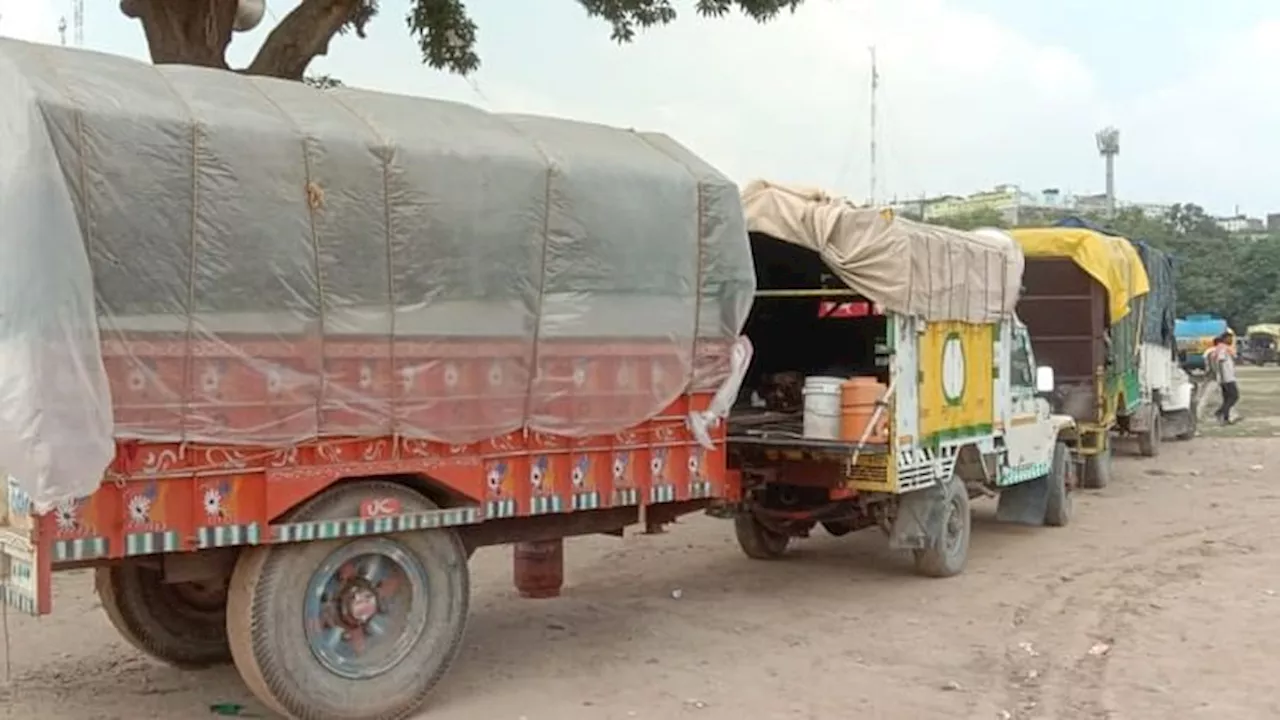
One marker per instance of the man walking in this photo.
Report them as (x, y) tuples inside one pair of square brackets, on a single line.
[(1223, 364)]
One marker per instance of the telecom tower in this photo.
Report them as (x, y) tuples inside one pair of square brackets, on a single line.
[(1109, 147), (77, 24)]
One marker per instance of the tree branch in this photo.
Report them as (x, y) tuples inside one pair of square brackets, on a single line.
[(301, 36), (446, 34)]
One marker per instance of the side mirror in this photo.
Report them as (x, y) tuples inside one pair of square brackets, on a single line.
[(1044, 379)]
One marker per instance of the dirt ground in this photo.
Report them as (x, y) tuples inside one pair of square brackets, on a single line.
[(1156, 602)]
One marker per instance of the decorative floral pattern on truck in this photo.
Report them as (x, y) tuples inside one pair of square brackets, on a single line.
[(198, 497)]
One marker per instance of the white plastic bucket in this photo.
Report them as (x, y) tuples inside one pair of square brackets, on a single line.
[(822, 407)]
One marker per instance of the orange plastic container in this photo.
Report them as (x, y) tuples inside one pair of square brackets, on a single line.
[(858, 398)]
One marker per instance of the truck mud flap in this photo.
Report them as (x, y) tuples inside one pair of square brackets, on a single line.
[(920, 516), (25, 575), (1025, 503)]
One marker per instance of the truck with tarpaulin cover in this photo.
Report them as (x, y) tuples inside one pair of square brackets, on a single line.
[(1261, 344), (1195, 335), (1167, 392), (891, 381), (1080, 303), (276, 360)]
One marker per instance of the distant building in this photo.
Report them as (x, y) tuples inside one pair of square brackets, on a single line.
[(1239, 224), (1014, 205), (1155, 211), (1091, 204), (1273, 222), (1008, 200)]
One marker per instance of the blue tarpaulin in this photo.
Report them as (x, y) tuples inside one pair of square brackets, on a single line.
[(1200, 326)]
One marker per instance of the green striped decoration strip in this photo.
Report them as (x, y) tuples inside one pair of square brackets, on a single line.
[(546, 504), (356, 527), (503, 508), (586, 501), (699, 490), (151, 543), (1023, 473), (80, 549), (219, 536), (626, 496), (662, 493)]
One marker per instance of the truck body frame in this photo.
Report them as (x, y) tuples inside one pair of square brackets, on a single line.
[(964, 419)]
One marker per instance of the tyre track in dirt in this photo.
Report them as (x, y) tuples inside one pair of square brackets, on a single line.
[(681, 626), (1059, 666)]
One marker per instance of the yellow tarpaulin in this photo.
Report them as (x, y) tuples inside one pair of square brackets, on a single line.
[(1112, 261)]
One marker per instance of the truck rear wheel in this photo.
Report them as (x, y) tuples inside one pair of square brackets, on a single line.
[(1097, 470), (757, 541), (1186, 422), (358, 629), (1059, 507), (946, 555), (1149, 439), (183, 624)]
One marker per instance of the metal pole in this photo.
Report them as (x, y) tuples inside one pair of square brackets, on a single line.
[(875, 85), (1111, 185)]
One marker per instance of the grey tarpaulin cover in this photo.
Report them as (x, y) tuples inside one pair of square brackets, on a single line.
[(189, 255), (906, 267), (1161, 303)]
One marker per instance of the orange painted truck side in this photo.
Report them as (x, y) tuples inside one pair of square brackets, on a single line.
[(167, 497), (276, 361)]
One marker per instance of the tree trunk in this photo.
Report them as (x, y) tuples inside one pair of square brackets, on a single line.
[(188, 32), (301, 36), (197, 32)]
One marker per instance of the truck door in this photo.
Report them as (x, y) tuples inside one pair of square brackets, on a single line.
[(1025, 436)]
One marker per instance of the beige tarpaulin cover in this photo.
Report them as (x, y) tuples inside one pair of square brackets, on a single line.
[(907, 267)]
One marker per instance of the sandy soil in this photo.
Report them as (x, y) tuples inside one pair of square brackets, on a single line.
[(1158, 601)]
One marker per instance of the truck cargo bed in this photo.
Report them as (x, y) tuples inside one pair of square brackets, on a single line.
[(765, 428), (1064, 310)]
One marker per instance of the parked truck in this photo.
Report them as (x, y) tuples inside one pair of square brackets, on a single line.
[(277, 360), (891, 382), (1261, 344), (1195, 335), (1168, 392), (1092, 313)]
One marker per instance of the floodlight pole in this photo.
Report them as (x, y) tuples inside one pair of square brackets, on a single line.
[(1109, 146), (1111, 185)]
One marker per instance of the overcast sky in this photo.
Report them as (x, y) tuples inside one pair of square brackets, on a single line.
[(973, 92)]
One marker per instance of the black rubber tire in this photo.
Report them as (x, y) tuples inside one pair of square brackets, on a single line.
[(1192, 424), (1097, 470), (947, 557), (838, 528), (1149, 441), (158, 619), (757, 541), (1058, 511), (266, 626)]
